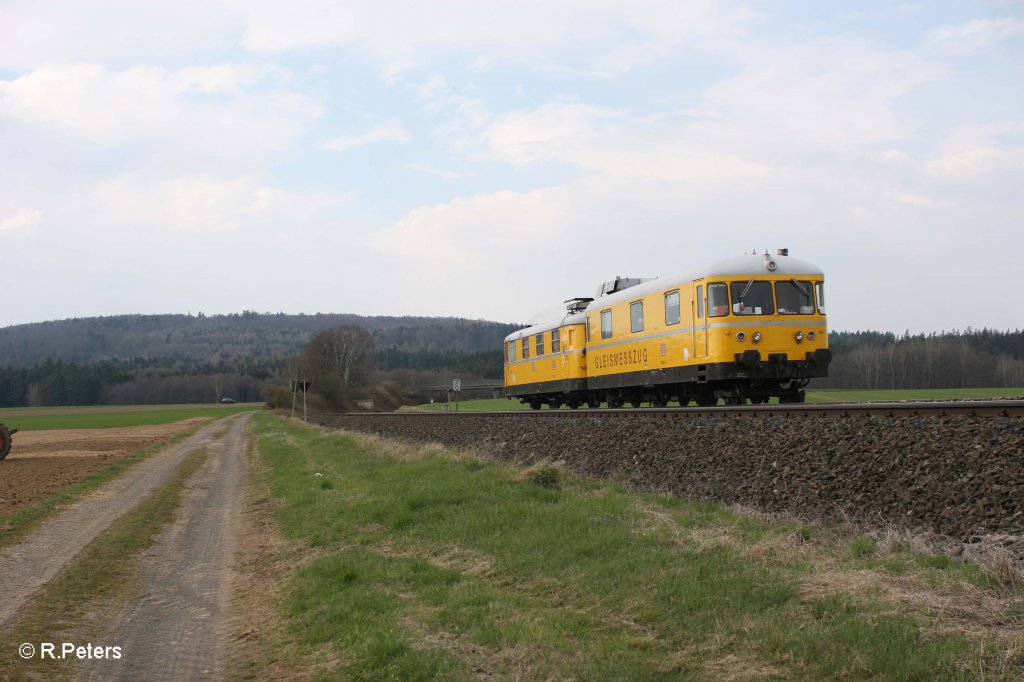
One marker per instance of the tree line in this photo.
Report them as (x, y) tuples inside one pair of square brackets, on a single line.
[(967, 359), (348, 362)]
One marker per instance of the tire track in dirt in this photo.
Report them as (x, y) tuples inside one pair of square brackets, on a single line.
[(27, 565), (177, 628)]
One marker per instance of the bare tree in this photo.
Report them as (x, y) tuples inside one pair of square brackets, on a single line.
[(337, 360)]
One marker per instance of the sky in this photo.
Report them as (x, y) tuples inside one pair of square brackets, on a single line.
[(489, 160)]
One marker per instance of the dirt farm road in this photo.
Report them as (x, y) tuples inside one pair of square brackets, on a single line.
[(177, 626)]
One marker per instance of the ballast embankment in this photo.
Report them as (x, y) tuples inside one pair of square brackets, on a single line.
[(958, 476)]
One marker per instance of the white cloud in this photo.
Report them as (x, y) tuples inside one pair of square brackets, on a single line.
[(496, 31), (20, 219), (213, 109), (429, 169), (658, 146), (120, 31), (977, 34), (200, 203), (391, 131)]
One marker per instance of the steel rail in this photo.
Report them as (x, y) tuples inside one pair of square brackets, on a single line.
[(971, 408)]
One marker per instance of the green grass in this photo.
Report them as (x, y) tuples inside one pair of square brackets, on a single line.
[(439, 566), (156, 414), (813, 396), (100, 579)]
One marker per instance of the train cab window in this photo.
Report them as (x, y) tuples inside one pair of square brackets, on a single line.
[(556, 346), (511, 351), (752, 297), (636, 316), (819, 288), (526, 347), (718, 300), (795, 297), (540, 344), (672, 307), (606, 324)]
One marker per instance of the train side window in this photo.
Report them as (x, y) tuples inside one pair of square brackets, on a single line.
[(636, 316), (700, 302), (511, 351), (819, 288), (540, 344), (588, 328), (606, 324), (556, 344), (526, 347), (718, 300), (672, 307)]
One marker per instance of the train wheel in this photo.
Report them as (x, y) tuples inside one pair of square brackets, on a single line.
[(635, 402), (535, 404), (5, 441), (573, 403), (707, 400), (593, 404), (660, 401), (758, 399), (615, 403), (554, 403)]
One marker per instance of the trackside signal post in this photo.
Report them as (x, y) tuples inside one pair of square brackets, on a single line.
[(457, 388)]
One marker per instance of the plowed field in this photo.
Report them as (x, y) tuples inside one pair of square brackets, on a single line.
[(42, 463)]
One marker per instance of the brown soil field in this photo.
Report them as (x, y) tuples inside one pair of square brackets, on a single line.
[(45, 462)]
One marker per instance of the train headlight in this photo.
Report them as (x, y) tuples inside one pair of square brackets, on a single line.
[(810, 336), (757, 337), (799, 337), (740, 336)]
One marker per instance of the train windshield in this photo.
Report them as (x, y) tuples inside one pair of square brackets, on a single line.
[(795, 297), (753, 297)]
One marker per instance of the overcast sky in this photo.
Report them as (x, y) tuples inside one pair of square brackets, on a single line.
[(490, 159)]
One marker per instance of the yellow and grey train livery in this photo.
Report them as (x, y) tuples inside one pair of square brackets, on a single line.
[(746, 328), (545, 363)]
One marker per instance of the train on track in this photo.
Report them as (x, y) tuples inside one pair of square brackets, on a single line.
[(748, 328)]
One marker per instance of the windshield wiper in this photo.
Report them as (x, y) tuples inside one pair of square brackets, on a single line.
[(799, 286), (746, 289)]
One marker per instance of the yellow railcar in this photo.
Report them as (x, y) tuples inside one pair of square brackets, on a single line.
[(545, 363), (746, 328), (750, 327)]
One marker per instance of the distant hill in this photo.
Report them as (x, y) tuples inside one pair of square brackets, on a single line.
[(239, 341)]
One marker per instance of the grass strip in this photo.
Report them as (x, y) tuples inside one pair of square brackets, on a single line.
[(15, 525), (97, 584), (434, 565), (107, 420)]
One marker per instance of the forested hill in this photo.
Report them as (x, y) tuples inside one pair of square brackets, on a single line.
[(239, 341)]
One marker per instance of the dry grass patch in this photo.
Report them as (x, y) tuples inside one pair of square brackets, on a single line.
[(261, 645), (461, 559)]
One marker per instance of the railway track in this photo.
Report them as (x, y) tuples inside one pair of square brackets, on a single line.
[(970, 408)]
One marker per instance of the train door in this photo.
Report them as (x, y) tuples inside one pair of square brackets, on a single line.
[(700, 323)]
